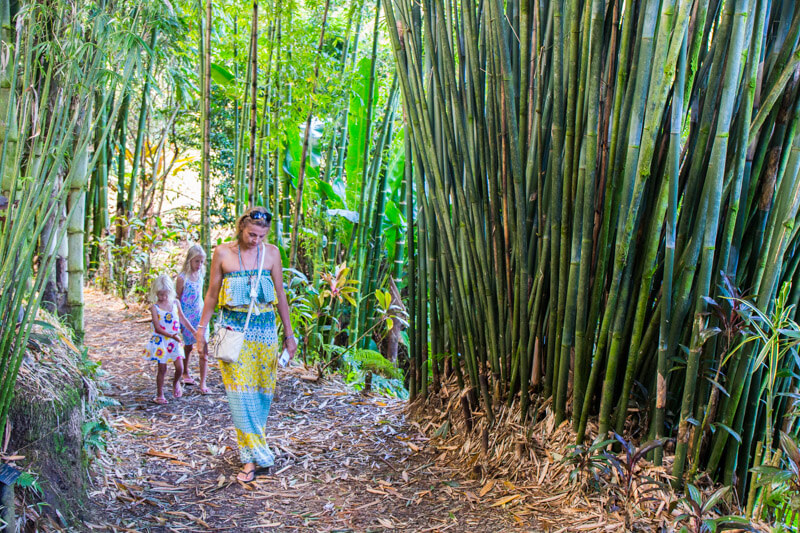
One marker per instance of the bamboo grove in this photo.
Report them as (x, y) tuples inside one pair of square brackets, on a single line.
[(284, 104), (57, 101), (598, 182)]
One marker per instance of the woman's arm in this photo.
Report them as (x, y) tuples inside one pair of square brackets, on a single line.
[(212, 295), (276, 271)]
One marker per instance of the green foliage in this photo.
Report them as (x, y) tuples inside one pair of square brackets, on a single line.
[(372, 361), (357, 130), (775, 336), (780, 485), (29, 480), (589, 463), (701, 513), (368, 366), (95, 428), (46, 141), (151, 248)]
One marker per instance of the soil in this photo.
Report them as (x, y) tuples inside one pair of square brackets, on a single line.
[(345, 461)]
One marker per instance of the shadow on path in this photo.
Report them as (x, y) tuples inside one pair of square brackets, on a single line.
[(346, 462)]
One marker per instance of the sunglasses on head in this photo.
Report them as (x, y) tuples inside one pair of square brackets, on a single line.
[(259, 215)]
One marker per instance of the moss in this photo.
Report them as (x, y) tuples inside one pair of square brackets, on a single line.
[(48, 434), (46, 418)]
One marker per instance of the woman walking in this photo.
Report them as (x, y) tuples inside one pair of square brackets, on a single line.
[(250, 381)]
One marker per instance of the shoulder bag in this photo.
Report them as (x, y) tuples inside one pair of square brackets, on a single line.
[(226, 344)]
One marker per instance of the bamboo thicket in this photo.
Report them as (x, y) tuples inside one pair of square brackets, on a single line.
[(51, 80), (588, 175)]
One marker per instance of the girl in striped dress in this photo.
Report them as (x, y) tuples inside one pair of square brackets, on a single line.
[(189, 286)]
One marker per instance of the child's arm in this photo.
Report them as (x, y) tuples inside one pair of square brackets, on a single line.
[(185, 321), (179, 286), (212, 294), (157, 326)]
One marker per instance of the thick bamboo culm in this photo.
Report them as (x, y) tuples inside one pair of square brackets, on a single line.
[(592, 170), (52, 140)]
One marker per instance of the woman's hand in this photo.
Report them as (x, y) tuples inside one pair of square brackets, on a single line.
[(290, 343), (200, 338)]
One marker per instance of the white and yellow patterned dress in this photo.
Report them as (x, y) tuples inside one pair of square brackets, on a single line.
[(160, 348), (250, 381)]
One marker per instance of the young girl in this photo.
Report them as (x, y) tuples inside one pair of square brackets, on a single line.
[(189, 286), (165, 343)]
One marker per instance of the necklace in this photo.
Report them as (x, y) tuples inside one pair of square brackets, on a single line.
[(250, 277)]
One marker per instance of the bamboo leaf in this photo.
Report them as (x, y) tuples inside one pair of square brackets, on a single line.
[(730, 431), (221, 75)]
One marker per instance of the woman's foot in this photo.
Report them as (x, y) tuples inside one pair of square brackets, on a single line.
[(177, 390), (247, 474), (160, 400), (203, 389), (188, 380)]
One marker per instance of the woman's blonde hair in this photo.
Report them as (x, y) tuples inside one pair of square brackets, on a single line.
[(161, 283), (258, 216), (193, 251)]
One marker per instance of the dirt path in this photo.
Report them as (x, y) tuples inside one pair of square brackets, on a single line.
[(345, 462)]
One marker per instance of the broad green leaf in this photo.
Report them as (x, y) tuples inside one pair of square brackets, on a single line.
[(221, 75), (352, 216), (393, 214), (357, 129)]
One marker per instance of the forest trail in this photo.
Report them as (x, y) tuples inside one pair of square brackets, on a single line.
[(345, 462)]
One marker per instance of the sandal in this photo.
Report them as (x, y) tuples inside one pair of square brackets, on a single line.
[(177, 391), (189, 380), (160, 400), (247, 476), (204, 390)]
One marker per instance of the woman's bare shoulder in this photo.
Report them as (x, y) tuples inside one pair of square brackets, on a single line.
[(274, 255), (224, 249)]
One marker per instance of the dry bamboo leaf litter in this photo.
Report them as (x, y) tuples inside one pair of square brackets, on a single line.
[(520, 469), (344, 462)]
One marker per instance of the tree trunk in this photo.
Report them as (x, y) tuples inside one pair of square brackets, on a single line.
[(205, 189), (298, 204)]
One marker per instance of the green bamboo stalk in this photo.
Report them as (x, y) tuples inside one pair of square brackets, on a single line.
[(298, 204), (251, 184), (713, 190), (142, 123), (205, 182)]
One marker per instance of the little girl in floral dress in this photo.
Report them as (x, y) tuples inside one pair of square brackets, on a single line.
[(189, 286), (165, 345)]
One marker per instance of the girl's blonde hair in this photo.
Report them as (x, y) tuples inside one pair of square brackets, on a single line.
[(257, 216), (161, 283), (194, 251)]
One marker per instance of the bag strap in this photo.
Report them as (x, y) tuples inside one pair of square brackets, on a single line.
[(252, 295)]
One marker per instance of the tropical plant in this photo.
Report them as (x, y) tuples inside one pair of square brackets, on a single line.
[(589, 462), (781, 484), (630, 485), (368, 370), (700, 513)]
